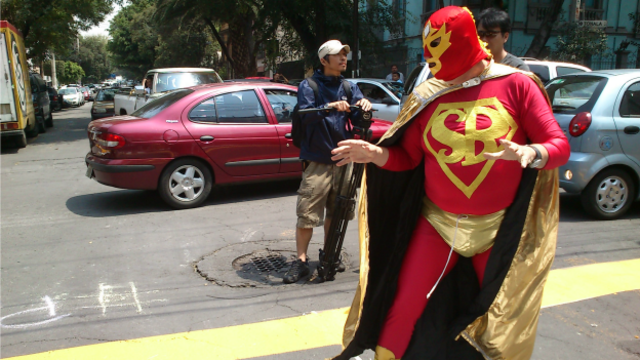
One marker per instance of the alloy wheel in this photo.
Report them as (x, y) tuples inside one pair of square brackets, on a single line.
[(186, 183)]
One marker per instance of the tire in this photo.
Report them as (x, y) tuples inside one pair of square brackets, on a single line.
[(181, 197), (49, 121), (609, 195), (33, 131), (21, 140)]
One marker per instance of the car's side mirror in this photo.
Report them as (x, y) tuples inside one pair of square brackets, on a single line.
[(139, 90), (389, 101)]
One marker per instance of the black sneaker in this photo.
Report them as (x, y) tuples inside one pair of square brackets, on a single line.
[(298, 270)]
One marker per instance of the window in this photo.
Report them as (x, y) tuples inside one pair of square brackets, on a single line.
[(542, 71), (562, 70), (282, 102), (630, 105), (575, 94), (374, 93), (242, 107), (154, 107), (204, 112), (105, 95), (170, 81)]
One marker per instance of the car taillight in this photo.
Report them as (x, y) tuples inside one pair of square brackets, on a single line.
[(55, 98), (109, 141), (579, 124)]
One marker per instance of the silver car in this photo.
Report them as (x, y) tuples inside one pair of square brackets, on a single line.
[(384, 95), (600, 114)]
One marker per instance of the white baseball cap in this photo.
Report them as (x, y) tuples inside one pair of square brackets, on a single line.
[(332, 47)]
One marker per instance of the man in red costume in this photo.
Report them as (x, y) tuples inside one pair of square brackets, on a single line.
[(485, 141)]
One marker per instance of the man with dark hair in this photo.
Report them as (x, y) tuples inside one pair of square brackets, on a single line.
[(394, 70), (494, 28), (323, 130)]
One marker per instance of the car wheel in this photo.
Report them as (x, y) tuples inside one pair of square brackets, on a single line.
[(49, 121), (185, 183), (609, 194), (33, 131), (21, 140)]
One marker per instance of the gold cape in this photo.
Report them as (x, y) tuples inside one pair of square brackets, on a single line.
[(507, 330)]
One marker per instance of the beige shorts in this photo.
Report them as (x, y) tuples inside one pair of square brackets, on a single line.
[(318, 191)]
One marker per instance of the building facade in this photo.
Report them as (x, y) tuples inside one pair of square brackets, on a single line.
[(619, 19)]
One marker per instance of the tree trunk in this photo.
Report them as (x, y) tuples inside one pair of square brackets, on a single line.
[(544, 32), (216, 34)]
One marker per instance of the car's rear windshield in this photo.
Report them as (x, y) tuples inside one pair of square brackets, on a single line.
[(170, 81), (575, 94), (105, 95), (155, 106), (67, 91)]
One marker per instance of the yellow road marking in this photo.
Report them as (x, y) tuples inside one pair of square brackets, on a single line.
[(322, 329)]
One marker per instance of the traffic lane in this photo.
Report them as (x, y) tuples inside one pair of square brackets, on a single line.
[(583, 240), (67, 242)]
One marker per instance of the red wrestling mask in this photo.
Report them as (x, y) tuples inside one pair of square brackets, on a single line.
[(451, 43)]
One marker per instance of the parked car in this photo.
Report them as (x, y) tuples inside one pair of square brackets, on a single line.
[(85, 93), (71, 96), (385, 96), (55, 99), (548, 70), (188, 139), (103, 105), (41, 103), (599, 112)]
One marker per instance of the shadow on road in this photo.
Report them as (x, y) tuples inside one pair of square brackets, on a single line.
[(571, 209), (125, 202)]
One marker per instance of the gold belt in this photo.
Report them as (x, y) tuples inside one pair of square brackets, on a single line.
[(475, 234)]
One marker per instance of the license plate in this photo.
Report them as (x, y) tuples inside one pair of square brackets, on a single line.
[(89, 172), (102, 111)]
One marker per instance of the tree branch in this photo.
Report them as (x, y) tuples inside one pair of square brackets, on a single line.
[(216, 34)]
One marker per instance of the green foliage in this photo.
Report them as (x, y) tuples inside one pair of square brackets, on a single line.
[(578, 43), (139, 42), (94, 58), (68, 72), (53, 25)]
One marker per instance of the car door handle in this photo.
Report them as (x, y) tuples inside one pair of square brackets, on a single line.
[(206, 138), (287, 135), (631, 130)]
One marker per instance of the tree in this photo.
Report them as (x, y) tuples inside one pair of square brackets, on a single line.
[(140, 42), (578, 43), (94, 58), (544, 32), (51, 24), (68, 72)]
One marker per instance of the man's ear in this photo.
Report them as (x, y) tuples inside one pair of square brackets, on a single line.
[(506, 36), (324, 62)]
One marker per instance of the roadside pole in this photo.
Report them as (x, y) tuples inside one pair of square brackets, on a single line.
[(355, 68), (54, 78)]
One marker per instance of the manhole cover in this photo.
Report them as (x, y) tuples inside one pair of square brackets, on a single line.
[(262, 261), (256, 264)]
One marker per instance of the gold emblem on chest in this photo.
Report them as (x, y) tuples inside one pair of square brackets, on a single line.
[(462, 146)]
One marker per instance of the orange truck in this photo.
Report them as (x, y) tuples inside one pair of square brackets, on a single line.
[(17, 117)]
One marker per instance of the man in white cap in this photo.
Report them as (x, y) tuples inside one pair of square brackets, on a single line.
[(322, 131)]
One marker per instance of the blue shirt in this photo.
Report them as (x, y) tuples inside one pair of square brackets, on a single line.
[(323, 130)]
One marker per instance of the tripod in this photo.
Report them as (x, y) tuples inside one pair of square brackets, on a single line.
[(345, 201)]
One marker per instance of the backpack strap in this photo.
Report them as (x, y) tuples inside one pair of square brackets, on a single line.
[(346, 85), (314, 86)]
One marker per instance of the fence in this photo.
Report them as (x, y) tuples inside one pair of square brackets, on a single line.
[(608, 61)]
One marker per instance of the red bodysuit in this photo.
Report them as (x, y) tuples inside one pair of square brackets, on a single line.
[(451, 134)]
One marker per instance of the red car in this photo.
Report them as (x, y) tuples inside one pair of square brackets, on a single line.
[(187, 140), (85, 93)]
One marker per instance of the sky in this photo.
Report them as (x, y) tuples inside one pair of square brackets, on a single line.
[(103, 27)]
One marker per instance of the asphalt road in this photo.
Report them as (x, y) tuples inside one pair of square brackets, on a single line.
[(82, 263)]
